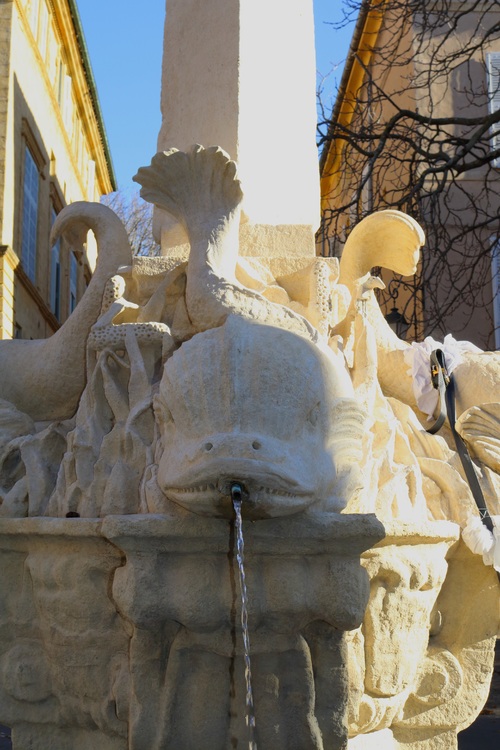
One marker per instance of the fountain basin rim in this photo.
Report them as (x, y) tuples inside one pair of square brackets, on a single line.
[(307, 533), (318, 533), (302, 529), (402, 533)]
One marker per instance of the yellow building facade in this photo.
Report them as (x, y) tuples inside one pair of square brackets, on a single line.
[(53, 151)]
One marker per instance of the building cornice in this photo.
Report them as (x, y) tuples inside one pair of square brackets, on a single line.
[(92, 88), (73, 40), (7, 252)]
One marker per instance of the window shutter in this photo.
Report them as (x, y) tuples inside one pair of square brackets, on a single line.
[(493, 68), (29, 235), (55, 274)]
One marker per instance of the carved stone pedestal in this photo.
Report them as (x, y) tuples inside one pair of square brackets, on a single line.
[(125, 632), (425, 650), (63, 646)]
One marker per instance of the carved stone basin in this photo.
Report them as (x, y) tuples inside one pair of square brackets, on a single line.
[(111, 628), (415, 662)]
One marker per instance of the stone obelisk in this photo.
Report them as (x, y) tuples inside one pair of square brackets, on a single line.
[(240, 74)]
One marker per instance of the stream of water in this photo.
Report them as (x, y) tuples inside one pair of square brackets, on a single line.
[(240, 558)]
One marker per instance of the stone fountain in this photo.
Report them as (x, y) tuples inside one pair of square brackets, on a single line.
[(237, 358)]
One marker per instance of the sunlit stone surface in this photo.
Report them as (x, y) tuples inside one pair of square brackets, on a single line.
[(242, 75), (369, 618), (252, 362)]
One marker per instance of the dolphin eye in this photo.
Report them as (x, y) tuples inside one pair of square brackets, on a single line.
[(163, 415), (313, 415), (167, 415)]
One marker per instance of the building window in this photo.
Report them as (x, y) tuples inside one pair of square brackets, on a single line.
[(60, 75), (55, 274), (30, 215), (52, 55), (493, 68), (73, 282)]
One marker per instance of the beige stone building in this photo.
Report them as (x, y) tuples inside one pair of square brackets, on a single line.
[(444, 67), (53, 151)]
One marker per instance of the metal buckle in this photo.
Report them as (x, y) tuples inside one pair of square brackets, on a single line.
[(438, 365)]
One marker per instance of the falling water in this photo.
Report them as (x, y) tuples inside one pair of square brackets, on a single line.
[(240, 557)]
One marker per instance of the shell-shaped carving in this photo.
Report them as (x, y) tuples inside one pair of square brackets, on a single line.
[(480, 427), (389, 238), (199, 182)]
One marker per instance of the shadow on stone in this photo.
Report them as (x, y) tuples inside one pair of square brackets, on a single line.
[(5, 738), (484, 733)]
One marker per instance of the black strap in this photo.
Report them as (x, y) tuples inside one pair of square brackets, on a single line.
[(445, 384), (440, 380)]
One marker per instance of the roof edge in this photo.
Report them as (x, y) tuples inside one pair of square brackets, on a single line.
[(346, 73), (361, 50), (89, 75)]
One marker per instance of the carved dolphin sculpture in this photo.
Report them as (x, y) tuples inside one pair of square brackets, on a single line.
[(45, 378), (254, 404), (201, 189)]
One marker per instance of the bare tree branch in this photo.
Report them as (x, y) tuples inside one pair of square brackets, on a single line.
[(422, 140), (137, 217)]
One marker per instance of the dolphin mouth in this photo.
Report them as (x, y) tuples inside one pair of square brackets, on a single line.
[(218, 474), (209, 488), (260, 499)]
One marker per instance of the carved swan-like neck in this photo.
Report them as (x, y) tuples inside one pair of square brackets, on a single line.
[(390, 239), (45, 378)]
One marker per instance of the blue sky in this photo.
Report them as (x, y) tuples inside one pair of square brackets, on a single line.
[(125, 48)]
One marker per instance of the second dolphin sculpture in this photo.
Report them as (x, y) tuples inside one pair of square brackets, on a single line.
[(202, 190)]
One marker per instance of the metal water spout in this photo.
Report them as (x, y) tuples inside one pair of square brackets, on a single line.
[(236, 493), (237, 500)]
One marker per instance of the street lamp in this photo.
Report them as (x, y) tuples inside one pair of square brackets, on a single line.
[(397, 322), (395, 319)]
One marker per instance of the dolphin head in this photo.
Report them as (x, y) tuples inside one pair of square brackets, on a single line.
[(263, 407)]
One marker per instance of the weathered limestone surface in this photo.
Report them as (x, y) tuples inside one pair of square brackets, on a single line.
[(89, 633), (64, 646), (297, 570), (52, 388), (370, 619)]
